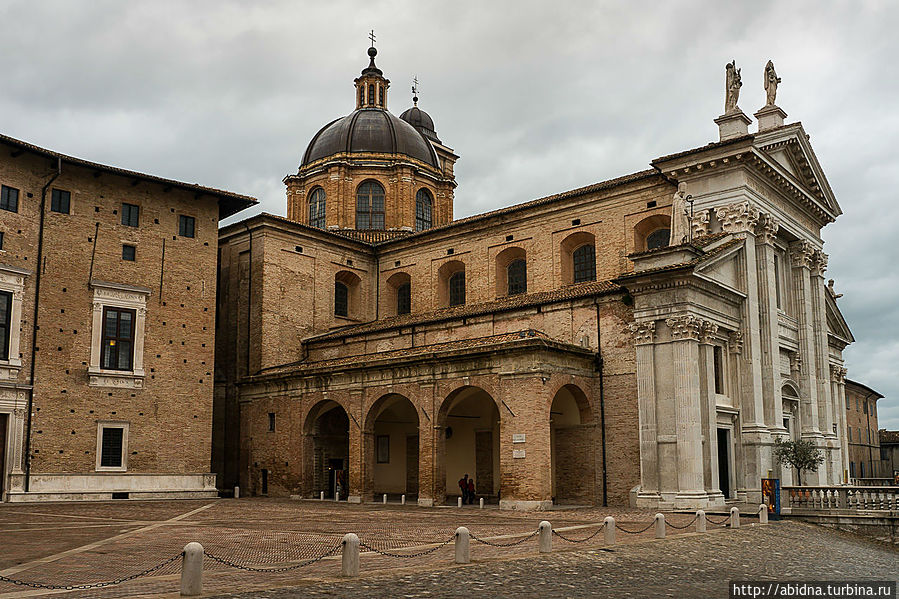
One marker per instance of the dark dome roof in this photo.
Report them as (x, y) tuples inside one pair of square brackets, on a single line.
[(422, 121), (370, 130)]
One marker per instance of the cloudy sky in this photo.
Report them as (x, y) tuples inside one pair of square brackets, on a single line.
[(536, 97)]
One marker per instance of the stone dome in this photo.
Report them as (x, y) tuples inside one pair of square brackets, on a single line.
[(371, 130), (422, 121)]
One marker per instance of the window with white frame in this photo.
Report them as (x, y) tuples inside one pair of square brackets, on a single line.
[(12, 289), (117, 335), (112, 446)]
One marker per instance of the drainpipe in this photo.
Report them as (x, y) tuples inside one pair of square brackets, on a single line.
[(602, 407), (34, 327), (249, 296)]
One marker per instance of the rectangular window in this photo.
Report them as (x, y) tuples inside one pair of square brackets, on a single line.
[(118, 339), (777, 278), (130, 215), (5, 314), (60, 201), (865, 407), (9, 199), (1, 240), (718, 360), (848, 403), (271, 422), (128, 252), (852, 469), (404, 299), (849, 433), (341, 299), (186, 226), (383, 449), (111, 445), (457, 289)]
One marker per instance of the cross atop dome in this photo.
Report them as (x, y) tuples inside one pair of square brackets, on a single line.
[(371, 87)]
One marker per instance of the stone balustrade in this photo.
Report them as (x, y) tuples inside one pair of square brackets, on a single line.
[(839, 498)]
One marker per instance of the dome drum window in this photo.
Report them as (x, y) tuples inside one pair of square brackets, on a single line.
[(423, 210), (317, 208), (370, 206)]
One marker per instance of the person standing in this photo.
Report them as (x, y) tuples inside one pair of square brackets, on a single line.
[(471, 491), (463, 487)]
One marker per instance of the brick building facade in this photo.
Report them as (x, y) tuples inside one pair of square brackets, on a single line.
[(107, 300), (601, 345), (861, 431)]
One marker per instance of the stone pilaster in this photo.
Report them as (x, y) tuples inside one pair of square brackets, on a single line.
[(838, 396), (685, 332), (644, 334), (766, 232), (709, 412), (801, 253), (826, 414)]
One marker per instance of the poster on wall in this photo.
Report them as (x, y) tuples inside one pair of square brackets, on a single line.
[(771, 497)]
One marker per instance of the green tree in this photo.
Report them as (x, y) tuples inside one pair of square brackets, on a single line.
[(801, 455)]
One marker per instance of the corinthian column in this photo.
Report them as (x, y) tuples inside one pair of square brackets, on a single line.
[(826, 416), (644, 334), (838, 397), (768, 324)]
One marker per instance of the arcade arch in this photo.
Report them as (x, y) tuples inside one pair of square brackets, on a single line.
[(468, 442)]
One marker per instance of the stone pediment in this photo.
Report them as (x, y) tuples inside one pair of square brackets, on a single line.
[(723, 268), (836, 324)]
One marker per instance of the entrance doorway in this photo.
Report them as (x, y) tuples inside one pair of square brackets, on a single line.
[(469, 443), (328, 432), (724, 461)]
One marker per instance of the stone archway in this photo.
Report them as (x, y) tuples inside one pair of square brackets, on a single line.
[(573, 447), (326, 451), (468, 442), (391, 448)]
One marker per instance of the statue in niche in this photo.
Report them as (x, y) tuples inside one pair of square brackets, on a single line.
[(771, 81), (733, 83), (680, 225)]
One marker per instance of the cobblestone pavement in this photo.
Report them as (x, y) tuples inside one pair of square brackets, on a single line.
[(686, 566), (78, 543)]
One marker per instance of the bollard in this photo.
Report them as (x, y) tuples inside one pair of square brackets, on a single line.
[(700, 521), (192, 570), (545, 540), (385, 498), (660, 526), (321, 496), (349, 565), (735, 517), (482, 503), (763, 514), (459, 503), (236, 492), (463, 545), (336, 496), (610, 530), (402, 500)]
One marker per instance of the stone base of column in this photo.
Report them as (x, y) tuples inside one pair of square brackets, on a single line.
[(354, 499), (649, 499), (425, 502), (525, 505), (693, 500)]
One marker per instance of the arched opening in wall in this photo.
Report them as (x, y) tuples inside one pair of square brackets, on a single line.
[(573, 446), (424, 204), (468, 442), (391, 447), (317, 208), (399, 294), (511, 272), (326, 452), (347, 287), (451, 284), (370, 206), (652, 232), (578, 253), (789, 394)]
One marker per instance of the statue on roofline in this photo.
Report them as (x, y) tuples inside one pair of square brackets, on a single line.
[(733, 83), (771, 81)]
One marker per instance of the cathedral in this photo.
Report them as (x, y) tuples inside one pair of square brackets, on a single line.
[(643, 340)]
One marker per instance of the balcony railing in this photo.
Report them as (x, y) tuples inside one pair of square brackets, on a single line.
[(842, 498)]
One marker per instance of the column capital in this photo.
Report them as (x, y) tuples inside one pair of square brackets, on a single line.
[(819, 263), (795, 362), (684, 328), (707, 332), (837, 373), (644, 332), (700, 223), (766, 229), (738, 217), (735, 341), (801, 252)]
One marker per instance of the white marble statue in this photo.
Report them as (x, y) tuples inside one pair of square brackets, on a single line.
[(771, 81), (733, 83), (680, 225)]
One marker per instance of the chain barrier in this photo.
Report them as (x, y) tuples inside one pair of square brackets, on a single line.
[(635, 532), (302, 564), (722, 523), (584, 540), (685, 526), (492, 544), (95, 585), (416, 554)]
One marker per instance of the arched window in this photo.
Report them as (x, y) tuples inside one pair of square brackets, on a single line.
[(370, 206), (404, 299), (423, 205), (658, 239), (317, 208), (517, 276), (457, 289), (341, 299), (584, 263)]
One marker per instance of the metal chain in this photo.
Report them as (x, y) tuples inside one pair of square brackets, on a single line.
[(687, 525), (492, 544), (95, 585), (635, 532), (564, 538), (303, 564), (417, 554), (722, 523)]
